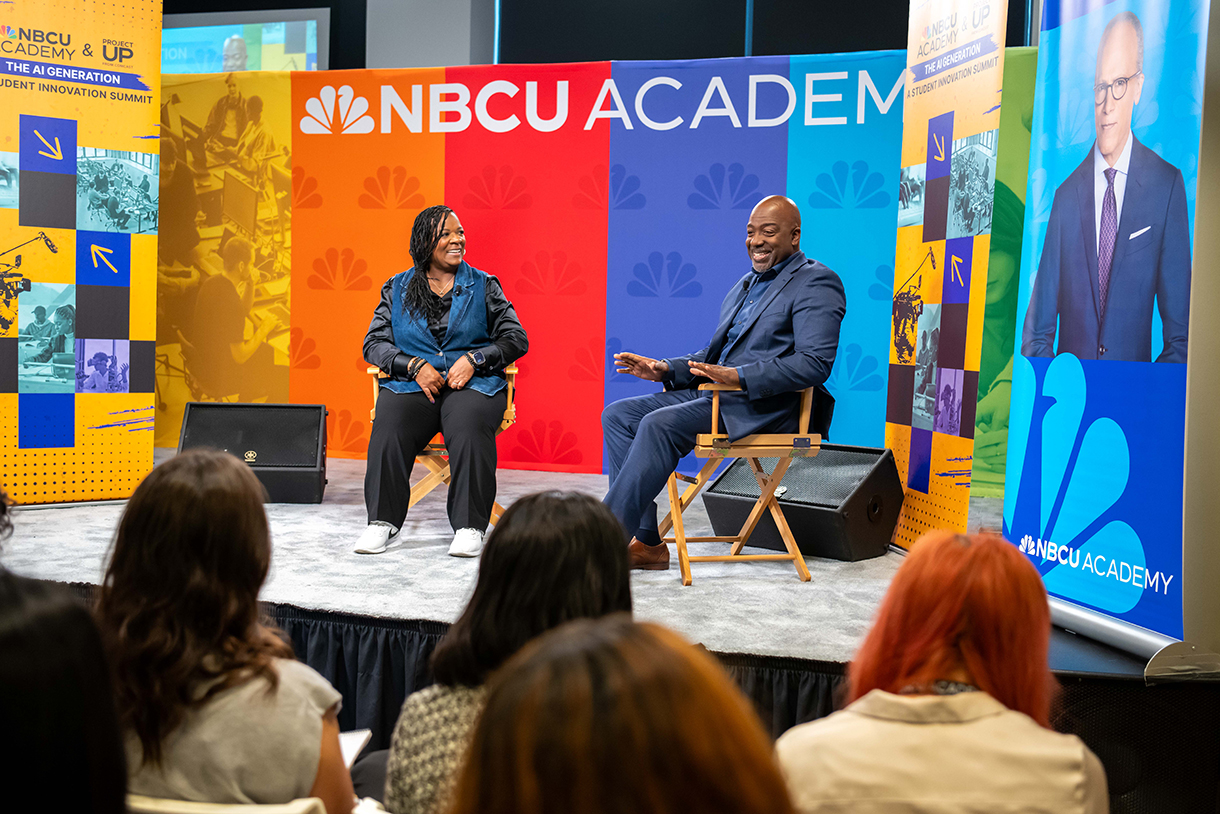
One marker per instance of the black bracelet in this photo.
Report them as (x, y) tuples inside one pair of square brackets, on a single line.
[(414, 366)]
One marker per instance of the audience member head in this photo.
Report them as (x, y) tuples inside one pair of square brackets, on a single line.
[(613, 716), (55, 700), (967, 608), (237, 255), (179, 602), (552, 557)]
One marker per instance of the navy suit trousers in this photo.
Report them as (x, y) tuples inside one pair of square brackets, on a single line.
[(646, 436)]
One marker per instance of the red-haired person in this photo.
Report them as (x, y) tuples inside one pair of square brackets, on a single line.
[(610, 716), (949, 699)]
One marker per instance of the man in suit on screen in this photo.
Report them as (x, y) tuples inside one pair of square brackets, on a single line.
[(1118, 238)]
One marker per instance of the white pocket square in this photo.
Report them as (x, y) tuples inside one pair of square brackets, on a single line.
[(1134, 235)]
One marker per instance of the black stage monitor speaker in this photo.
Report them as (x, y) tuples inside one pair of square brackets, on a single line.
[(842, 504), (285, 444)]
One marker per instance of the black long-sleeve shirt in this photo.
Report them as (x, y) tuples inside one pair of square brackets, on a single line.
[(508, 340)]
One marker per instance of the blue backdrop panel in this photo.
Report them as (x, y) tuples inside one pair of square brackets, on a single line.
[(679, 202), (679, 199), (844, 177)]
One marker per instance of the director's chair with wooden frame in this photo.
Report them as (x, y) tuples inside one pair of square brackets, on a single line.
[(716, 447), (435, 456)]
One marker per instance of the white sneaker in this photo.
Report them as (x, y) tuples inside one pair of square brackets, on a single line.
[(374, 539), (466, 543)]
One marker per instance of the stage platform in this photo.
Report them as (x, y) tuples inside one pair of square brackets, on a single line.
[(758, 609)]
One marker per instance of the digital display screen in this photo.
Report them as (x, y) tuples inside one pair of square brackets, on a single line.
[(283, 46)]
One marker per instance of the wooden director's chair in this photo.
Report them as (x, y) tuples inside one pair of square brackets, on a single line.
[(716, 447), (435, 457)]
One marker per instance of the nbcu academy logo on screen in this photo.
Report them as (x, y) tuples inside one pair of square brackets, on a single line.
[(828, 99)]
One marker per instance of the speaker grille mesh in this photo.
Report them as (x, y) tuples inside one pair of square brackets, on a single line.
[(825, 480), (277, 435)]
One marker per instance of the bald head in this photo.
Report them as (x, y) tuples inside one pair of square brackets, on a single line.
[(773, 233), (1118, 83), (233, 54)]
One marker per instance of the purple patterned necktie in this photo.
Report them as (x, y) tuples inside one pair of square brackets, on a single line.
[(1109, 232)]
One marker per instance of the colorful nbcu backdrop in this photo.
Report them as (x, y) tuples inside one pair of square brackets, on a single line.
[(950, 145), (609, 198), (1094, 478)]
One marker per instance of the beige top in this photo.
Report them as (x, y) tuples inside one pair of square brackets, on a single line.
[(942, 754), (246, 745)]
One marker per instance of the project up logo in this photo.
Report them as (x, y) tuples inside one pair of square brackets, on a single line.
[(350, 116)]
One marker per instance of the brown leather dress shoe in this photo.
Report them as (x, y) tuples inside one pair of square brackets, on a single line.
[(647, 557)]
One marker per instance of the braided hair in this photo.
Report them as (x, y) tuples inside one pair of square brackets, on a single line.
[(417, 299)]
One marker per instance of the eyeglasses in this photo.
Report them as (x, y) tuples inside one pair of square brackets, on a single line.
[(1117, 88)]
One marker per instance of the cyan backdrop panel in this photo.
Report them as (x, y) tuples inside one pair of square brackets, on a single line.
[(1125, 504), (844, 177), (679, 200)]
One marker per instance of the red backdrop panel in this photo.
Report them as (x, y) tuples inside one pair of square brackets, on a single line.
[(519, 196)]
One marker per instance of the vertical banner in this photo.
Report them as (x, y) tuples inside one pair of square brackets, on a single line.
[(79, 89), (1093, 491), (955, 57)]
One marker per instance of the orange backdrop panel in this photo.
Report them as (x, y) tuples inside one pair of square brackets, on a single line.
[(354, 200)]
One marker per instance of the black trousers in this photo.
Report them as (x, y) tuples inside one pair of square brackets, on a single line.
[(405, 423)]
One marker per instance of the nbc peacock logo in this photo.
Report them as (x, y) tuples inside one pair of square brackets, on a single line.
[(1084, 463), (337, 111), (7, 31)]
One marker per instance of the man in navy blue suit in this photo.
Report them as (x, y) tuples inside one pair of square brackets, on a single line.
[(1118, 236), (778, 334)]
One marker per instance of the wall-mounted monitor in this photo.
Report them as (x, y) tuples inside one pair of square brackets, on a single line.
[(274, 40)]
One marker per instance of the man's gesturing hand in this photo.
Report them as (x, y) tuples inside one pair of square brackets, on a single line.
[(640, 366), (717, 373)]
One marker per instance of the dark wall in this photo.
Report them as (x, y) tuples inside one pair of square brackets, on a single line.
[(347, 21), (815, 27), (573, 31), (589, 30)]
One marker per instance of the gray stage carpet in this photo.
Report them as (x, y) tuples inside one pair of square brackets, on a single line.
[(757, 608)]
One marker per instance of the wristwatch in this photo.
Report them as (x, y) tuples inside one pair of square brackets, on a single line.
[(476, 358)]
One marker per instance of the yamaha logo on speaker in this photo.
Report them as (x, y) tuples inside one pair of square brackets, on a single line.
[(251, 455)]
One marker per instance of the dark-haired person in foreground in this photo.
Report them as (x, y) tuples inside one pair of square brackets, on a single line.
[(214, 707), (778, 334), (553, 557), (63, 750), (950, 699), (610, 716), (444, 332)]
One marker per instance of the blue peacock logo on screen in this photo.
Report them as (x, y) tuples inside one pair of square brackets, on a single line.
[(1060, 516)]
